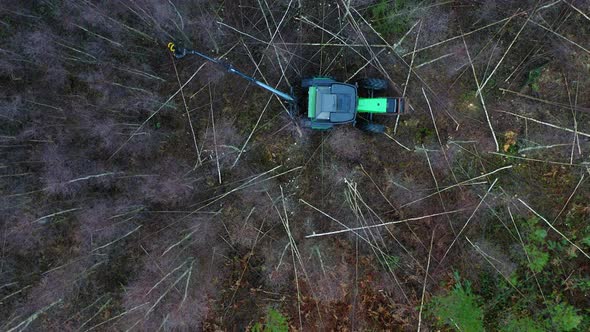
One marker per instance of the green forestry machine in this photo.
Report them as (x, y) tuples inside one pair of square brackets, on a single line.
[(329, 102)]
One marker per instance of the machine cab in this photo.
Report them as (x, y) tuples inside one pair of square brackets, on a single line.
[(330, 102)]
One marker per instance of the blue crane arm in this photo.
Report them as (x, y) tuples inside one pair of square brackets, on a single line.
[(180, 52)]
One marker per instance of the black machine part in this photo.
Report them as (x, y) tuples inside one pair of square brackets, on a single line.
[(375, 84)]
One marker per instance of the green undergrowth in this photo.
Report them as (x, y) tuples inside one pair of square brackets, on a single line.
[(273, 322), (533, 79), (459, 308), (390, 262), (391, 17), (525, 324), (546, 291), (536, 248)]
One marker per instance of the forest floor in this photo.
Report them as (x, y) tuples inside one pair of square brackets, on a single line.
[(143, 192)]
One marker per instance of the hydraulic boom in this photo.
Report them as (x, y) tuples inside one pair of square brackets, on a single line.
[(180, 52)]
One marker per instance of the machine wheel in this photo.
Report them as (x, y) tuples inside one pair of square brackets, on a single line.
[(371, 127), (375, 84)]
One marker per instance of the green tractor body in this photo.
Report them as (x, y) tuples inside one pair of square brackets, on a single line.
[(330, 102)]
